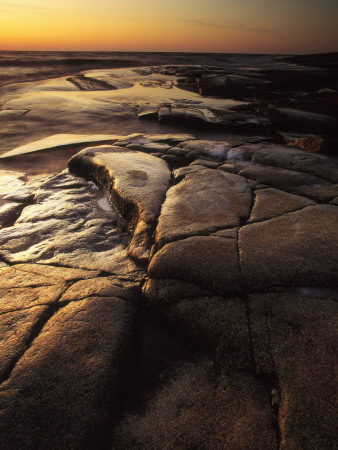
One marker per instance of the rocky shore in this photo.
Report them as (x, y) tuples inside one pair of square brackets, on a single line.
[(165, 290)]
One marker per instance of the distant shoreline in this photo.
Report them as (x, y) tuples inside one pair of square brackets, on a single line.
[(29, 66)]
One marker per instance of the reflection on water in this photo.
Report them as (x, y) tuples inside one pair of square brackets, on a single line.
[(54, 105), (24, 66), (32, 111), (41, 163)]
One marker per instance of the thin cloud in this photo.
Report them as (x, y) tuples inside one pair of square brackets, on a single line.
[(257, 30), (227, 26), (201, 22)]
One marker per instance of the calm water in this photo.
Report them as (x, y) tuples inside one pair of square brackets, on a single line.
[(79, 111), (25, 66)]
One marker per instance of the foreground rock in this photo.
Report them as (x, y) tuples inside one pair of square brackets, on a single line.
[(70, 223), (63, 349), (192, 307), (298, 330), (136, 183)]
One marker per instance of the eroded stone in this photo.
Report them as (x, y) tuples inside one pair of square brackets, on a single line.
[(295, 340), (72, 368), (17, 327), (66, 226), (166, 290), (198, 409), (281, 251), (136, 183), (271, 203), (202, 203), (211, 262), (9, 212), (103, 287)]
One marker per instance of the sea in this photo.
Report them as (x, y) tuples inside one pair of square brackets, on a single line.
[(24, 121), (19, 66)]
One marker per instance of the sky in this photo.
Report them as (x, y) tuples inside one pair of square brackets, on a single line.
[(225, 26)]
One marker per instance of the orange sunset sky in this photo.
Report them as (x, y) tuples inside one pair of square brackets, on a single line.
[(261, 26)]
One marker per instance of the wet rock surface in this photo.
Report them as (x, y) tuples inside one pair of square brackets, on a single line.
[(171, 292), (71, 224), (136, 183), (268, 96)]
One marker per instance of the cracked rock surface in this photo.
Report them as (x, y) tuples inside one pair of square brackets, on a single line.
[(159, 309), (165, 291)]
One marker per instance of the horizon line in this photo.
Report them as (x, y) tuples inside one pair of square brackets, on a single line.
[(175, 51)]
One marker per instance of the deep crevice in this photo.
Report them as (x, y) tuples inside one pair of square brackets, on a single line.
[(209, 232), (6, 261), (42, 321), (10, 311), (153, 246), (254, 199), (84, 83), (270, 384), (280, 215), (93, 296), (269, 381)]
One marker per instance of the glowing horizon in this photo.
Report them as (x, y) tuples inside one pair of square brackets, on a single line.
[(218, 26)]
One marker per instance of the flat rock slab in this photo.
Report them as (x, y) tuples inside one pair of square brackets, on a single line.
[(17, 327), (238, 315), (211, 262), (64, 391), (283, 240), (197, 409), (29, 275), (203, 202), (66, 335), (27, 293), (305, 252), (296, 159), (23, 286), (271, 203)]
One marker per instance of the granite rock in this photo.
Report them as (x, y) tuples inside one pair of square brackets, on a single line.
[(197, 205), (192, 308), (69, 224), (136, 183)]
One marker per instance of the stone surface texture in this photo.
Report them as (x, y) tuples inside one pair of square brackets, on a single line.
[(165, 291), (136, 182)]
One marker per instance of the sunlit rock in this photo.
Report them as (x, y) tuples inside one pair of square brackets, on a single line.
[(136, 183), (67, 226), (16, 328), (227, 339), (271, 203), (210, 262), (73, 367), (198, 205), (305, 251)]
